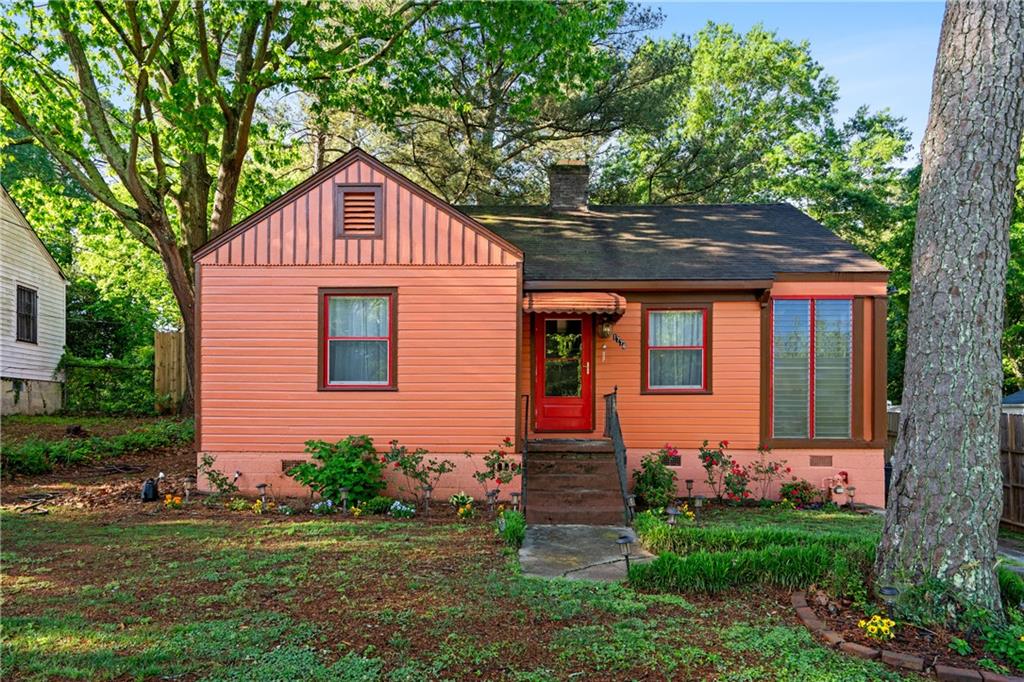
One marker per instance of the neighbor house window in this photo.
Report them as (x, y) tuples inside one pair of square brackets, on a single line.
[(28, 314), (358, 339), (357, 211), (811, 379), (676, 350)]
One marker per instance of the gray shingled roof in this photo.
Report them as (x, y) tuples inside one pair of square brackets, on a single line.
[(688, 242)]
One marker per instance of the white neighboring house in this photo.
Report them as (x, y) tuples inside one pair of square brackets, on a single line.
[(32, 316)]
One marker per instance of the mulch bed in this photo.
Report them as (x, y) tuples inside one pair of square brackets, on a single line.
[(913, 648), (15, 430)]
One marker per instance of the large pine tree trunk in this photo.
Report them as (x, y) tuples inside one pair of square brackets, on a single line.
[(946, 499)]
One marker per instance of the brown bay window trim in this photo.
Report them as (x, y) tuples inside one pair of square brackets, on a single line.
[(340, 191), (676, 305), (323, 294), (877, 354)]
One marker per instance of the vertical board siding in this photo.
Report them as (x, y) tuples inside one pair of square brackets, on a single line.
[(456, 359), (417, 231)]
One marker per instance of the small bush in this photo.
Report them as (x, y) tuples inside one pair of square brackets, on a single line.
[(378, 505), (514, 531), (35, 456), (654, 484), (801, 493), (110, 387), (1011, 588), (352, 463)]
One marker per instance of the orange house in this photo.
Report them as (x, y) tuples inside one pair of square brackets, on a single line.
[(358, 303)]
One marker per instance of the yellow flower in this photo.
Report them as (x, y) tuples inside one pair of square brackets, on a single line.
[(873, 629), (167, 498), (861, 623)]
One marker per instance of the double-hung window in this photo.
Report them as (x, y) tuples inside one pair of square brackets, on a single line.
[(811, 372), (676, 350), (28, 315), (358, 339)]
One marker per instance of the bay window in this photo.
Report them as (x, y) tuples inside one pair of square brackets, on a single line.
[(811, 368), (676, 353), (357, 345)]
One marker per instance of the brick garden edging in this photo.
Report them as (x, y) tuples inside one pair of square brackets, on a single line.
[(895, 659)]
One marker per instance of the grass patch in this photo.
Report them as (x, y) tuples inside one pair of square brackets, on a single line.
[(37, 456), (513, 530)]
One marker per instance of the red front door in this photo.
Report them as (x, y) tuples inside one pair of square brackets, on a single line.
[(563, 383)]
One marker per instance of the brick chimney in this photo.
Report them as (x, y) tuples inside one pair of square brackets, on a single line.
[(568, 181)]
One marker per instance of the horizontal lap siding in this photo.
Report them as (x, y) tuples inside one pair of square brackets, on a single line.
[(456, 359), (649, 421)]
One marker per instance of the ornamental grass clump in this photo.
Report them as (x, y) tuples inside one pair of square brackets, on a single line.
[(512, 528)]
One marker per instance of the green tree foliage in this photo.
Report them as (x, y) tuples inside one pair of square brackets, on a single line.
[(159, 110)]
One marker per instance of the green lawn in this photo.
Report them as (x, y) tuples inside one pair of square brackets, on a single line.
[(180, 594)]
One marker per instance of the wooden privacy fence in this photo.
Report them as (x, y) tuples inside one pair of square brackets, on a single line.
[(1011, 458), (169, 375)]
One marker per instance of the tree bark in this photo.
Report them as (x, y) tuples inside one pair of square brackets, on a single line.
[(946, 499)]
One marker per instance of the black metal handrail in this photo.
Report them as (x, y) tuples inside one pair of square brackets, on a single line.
[(613, 430), (524, 448)]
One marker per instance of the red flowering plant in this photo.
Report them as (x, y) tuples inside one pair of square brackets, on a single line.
[(736, 483), (716, 465), (766, 472), (498, 469), (418, 470)]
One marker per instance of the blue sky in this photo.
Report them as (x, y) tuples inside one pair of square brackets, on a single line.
[(882, 54)]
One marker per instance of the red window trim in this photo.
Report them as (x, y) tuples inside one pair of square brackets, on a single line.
[(705, 348), (810, 367), (323, 324)]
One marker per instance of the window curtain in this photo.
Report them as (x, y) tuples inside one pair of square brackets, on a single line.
[(353, 360), (676, 368)]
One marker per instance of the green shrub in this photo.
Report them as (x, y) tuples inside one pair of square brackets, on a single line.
[(35, 456), (110, 387), (654, 484), (352, 463), (801, 493), (1011, 588), (378, 505), (514, 530)]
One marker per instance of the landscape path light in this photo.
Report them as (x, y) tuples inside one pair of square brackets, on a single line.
[(698, 504), (343, 494), (427, 492), (188, 483), (673, 514), (625, 543), (516, 499), (261, 488), (889, 594), (689, 489)]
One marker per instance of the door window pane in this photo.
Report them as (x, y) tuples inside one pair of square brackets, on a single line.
[(563, 348), (791, 345)]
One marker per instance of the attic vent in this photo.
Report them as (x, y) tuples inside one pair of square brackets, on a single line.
[(358, 211)]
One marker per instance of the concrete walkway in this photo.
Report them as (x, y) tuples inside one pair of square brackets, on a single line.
[(577, 552)]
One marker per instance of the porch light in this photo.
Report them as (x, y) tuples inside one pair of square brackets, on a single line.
[(689, 489), (673, 513), (343, 494), (604, 329), (516, 498), (188, 483), (261, 488), (492, 499), (625, 543), (427, 491)]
